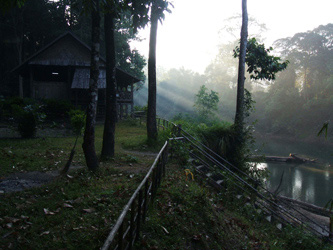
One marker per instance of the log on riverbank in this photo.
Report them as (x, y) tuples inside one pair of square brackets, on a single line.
[(292, 158)]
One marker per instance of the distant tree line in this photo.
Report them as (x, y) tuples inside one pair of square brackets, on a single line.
[(301, 98), (296, 103)]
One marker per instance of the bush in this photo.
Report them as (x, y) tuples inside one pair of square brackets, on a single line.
[(220, 138), (28, 117), (12, 106), (78, 118), (27, 125), (55, 109)]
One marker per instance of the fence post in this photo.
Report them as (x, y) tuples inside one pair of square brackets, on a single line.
[(139, 216), (131, 231), (165, 158), (145, 203), (159, 171), (121, 236), (153, 186)]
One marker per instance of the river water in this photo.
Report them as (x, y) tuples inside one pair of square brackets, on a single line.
[(312, 183)]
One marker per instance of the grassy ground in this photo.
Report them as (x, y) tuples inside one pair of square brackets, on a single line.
[(190, 215), (77, 212), (47, 154), (73, 212)]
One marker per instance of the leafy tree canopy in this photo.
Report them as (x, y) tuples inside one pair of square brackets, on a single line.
[(260, 64), (205, 102)]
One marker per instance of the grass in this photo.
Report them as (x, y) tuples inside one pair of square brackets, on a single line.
[(77, 211), (74, 212), (190, 215), (71, 213), (47, 154)]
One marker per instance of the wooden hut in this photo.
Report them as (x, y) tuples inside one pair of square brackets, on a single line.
[(61, 70)]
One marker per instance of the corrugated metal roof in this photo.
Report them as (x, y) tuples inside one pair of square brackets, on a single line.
[(82, 76)]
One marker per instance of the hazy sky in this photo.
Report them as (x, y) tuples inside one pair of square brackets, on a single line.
[(189, 35)]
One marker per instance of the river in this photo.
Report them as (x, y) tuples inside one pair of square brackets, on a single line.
[(312, 183)]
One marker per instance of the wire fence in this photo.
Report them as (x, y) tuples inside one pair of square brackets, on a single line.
[(220, 173), (128, 226)]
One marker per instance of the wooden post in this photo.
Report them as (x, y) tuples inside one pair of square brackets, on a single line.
[(132, 100), (31, 81), (139, 216), (131, 230), (164, 159), (153, 186), (69, 87), (145, 204), (21, 87), (121, 236)]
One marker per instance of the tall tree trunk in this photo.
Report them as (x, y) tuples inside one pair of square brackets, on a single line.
[(89, 133), (237, 157), (18, 24), (151, 115), (239, 117), (111, 89)]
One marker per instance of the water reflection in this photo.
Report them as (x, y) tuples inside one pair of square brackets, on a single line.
[(297, 184), (311, 183), (310, 191), (327, 175), (305, 182)]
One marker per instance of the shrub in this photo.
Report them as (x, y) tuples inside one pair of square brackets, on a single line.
[(28, 117), (27, 125), (219, 138), (78, 118), (55, 109)]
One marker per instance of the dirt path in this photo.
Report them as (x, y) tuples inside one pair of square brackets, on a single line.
[(20, 181)]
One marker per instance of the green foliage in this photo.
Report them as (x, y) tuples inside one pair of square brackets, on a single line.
[(129, 158), (78, 119), (7, 5), (260, 64), (301, 98), (180, 152), (296, 238), (12, 106), (74, 213), (248, 103), (28, 117), (56, 109), (142, 110), (206, 103), (219, 138)]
